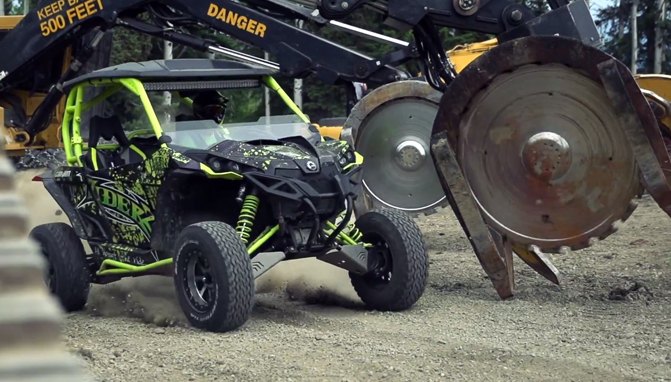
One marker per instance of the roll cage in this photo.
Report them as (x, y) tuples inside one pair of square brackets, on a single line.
[(76, 106)]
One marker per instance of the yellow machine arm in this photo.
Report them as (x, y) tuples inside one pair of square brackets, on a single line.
[(657, 88), (14, 139)]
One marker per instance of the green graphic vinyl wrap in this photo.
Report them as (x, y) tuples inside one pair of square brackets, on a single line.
[(128, 196)]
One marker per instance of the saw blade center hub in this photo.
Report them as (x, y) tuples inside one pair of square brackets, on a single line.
[(410, 155), (547, 155)]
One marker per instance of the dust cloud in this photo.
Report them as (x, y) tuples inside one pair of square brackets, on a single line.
[(41, 206), (152, 298), (311, 281)]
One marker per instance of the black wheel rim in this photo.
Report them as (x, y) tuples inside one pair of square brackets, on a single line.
[(198, 280), (380, 252)]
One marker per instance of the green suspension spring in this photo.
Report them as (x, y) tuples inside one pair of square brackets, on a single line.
[(354, 232), (246, 219), (350, 235)]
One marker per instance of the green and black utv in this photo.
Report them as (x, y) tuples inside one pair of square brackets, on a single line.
[(176, 180)]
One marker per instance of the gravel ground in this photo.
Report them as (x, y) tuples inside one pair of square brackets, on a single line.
[(608, 321)]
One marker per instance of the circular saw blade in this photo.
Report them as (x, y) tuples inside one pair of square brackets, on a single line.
[(391, 128), (546, 156), (543, 154)]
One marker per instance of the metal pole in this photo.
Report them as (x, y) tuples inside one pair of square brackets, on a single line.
[(267, 92), (234, 54), (298, 92), (298, 82), (634, 36), (659, 36), (167, 55)]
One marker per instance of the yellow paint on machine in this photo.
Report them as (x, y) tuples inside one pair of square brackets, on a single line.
[(660, 85), (9, 22), (242, 22), (330, 131), (57, 17), (462, 55)]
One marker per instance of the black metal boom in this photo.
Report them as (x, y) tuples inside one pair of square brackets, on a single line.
[(507, 19), (57, 24)]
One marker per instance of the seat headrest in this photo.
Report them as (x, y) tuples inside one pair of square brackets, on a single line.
[(106, 128)]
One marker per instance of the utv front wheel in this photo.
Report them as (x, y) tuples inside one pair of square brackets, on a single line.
[(67, 272), (399, 256), (213, 277)]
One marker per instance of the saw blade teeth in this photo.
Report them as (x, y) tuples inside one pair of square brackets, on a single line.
[(611, 230), (591, 242), (633, 204), (565, 250), (553, 250)]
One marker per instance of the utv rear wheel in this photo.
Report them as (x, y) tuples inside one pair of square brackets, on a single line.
[(399, 255), (68, 275), (213, 277)]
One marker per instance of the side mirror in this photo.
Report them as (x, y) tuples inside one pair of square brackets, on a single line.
[(165, 139)]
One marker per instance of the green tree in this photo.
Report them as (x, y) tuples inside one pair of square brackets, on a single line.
[(615, 26)]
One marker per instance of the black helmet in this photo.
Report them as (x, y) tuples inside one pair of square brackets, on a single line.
[(210, 105)]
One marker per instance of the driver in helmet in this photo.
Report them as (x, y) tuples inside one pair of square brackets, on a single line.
[(207, 104), (210, 105)]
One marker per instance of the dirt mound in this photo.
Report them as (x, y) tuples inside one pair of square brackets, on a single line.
[(631, 291)]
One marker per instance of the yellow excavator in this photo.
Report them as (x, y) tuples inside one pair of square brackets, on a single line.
[(17, 141)]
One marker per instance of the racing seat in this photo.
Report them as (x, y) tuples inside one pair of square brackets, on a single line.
[(139, 149), (130, 151), (107, 128)]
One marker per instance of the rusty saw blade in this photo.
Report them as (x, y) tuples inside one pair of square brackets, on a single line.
[(547, 157)]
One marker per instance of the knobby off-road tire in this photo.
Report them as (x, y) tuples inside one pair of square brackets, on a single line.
[(30, 317), (401, 273), (213, 277), (68, 276)]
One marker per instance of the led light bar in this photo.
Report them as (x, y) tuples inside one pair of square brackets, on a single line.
[(201, 85)]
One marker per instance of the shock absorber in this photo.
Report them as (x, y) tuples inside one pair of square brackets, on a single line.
[(250, 206), (350, 235)]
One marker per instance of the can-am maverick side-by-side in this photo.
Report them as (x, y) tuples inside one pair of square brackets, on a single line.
[(176, 180)]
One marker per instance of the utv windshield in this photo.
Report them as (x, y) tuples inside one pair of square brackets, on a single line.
[(203, 134), (191, 122)]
